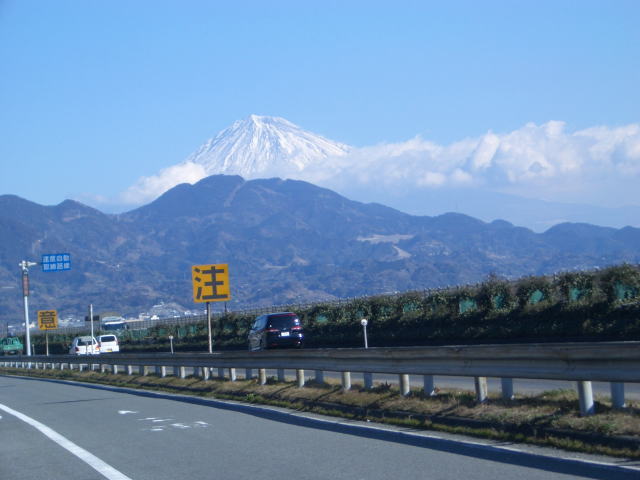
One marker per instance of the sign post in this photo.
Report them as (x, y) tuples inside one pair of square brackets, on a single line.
[(210, 284), (24, 266), (50, 263), (47, 320)]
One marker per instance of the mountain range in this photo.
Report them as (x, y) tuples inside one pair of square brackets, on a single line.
[(286, 241), (409, 176)]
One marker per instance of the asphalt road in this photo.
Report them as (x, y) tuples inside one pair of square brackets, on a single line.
[(85, 433)]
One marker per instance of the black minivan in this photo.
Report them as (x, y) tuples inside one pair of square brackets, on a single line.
[(276, 330)]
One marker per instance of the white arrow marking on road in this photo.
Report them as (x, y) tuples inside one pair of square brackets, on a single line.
[(90, 459)]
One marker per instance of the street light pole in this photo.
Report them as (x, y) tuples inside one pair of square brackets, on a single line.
[(24, 266)]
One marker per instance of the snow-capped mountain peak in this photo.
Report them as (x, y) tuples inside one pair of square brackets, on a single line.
[(260, 146)]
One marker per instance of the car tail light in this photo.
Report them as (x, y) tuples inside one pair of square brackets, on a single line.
[(272, 330), (297, 327)]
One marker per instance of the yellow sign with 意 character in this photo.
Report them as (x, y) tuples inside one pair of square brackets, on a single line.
[(210, 283), (47, 319)]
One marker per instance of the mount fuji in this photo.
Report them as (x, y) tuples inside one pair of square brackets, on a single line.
[(261, 146)]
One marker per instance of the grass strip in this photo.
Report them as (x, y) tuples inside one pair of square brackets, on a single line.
[(547, 419)]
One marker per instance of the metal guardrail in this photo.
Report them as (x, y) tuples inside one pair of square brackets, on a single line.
[(615, 362)]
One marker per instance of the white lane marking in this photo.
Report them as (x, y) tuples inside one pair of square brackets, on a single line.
[(125, 412), (90, 459), (180, 425)]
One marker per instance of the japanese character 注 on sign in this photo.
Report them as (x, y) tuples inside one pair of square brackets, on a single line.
[(210, 283)]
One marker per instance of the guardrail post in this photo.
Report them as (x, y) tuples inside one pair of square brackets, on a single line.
[(80, 367), (205, 372), (507, 388), (232, 374), (368, 380), (262, 376), (405, 386), (61, 366), (346, 381), (161, 371), (585, 392), (300, 378), (319, 374), (617, 395), (481, 389), (429, 385), (182, 372), (143, 370), (281, 377), (114, 368), (221, 373), (103, 368), (248, 373), (129, 369)]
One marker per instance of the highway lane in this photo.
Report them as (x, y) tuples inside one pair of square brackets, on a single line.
[(524, 386), (145, 437)]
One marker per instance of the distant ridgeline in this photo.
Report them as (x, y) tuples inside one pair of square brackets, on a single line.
[(573, 306)]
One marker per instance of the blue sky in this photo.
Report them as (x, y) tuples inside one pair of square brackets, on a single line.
[(96, 94)]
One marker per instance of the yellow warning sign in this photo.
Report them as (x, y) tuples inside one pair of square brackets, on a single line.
[(210, 283), (47, 319)]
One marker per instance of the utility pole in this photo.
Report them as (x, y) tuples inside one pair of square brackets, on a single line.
[(91, 320), (24, 267)]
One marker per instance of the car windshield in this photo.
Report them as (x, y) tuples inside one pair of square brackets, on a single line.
[(108, 338), (282, 321), (84, 341)]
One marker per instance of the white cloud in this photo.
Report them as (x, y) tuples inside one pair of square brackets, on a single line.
[(598, 165), (147, 189)]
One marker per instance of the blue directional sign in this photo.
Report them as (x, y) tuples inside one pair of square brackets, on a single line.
[(56, 262)]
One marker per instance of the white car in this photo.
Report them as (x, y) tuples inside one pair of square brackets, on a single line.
[(108, 343), (86, 345)]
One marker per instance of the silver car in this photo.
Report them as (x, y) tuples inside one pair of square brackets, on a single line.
[(108, 343)]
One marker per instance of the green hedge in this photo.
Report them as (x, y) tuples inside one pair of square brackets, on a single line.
[(594, 305)]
